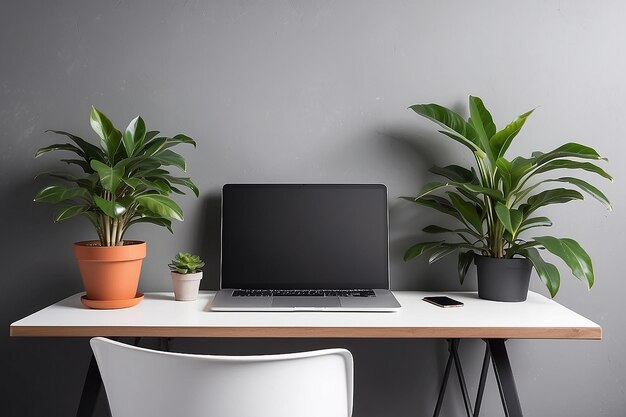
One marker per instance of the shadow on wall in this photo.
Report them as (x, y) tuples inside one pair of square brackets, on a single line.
[(208, 239), (421, 151)]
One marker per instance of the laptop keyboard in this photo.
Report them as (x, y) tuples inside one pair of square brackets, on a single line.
[(305, 293)]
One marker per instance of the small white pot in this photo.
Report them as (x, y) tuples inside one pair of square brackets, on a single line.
[(186, 286)]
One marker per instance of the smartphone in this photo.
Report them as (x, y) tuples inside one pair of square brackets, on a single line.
[(442, 301)]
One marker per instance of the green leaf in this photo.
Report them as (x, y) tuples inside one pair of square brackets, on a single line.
[(180, 138), (159, 221), (501, 141), (572, 254), (147, 140), (481, 120), (81, 163), (140, 184), (548, 273), (56, 193), (111, 208), (456, 127), (420, 248), (586, 187), (569, 150), (147, 171), (110, 137), (100, 124), (60, 147), (90, 151), (167, 157), (510, 218), (556, 196), (465, 260), (153, 147), (568, 164), (87, 182), (504, 171), (437, 203), (473, 147), (177, 190), (456, 173), (184, 182), (473, 188), (535, 222), (161, 205), (520, 167), (433, 229), (441, 253), (110, 177), (134, 135), (468, 212), (67, 212), (140, 164)]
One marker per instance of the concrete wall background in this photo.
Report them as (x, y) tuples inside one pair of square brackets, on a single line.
[(313, 91)]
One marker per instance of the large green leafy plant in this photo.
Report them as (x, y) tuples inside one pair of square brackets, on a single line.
[(497, 203), (123, 181)]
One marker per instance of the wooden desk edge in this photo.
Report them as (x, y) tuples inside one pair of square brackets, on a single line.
[(584, 333)]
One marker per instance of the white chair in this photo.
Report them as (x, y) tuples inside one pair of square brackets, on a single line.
[(146, 383)]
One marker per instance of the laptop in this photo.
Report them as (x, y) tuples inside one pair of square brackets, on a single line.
[(304, 247)]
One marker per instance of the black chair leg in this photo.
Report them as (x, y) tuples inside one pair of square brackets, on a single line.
[(91, 389)]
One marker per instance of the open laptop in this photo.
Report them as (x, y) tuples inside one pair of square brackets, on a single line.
[(305, 247)]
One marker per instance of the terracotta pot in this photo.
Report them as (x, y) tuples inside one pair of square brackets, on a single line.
[(110, 272), (186, 286)]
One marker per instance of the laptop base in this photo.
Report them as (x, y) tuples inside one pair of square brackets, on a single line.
[(384, 301)]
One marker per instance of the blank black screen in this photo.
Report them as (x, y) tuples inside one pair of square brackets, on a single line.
[(304, 236)]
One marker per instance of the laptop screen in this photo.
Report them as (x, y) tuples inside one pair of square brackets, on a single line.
[(288, 236)]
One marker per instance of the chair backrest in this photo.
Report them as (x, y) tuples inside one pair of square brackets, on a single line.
[(142, 382)]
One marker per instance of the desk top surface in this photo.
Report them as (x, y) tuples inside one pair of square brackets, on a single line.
[(158, 315)]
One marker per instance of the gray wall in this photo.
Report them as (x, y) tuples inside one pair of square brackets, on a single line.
[(312, 91)]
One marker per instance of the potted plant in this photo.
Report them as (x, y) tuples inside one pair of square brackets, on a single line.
[(497, 203), (186, 272), (123, 182)]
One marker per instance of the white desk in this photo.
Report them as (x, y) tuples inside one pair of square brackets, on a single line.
[(160, 316)]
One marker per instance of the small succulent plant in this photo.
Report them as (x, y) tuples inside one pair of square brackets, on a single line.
[(186, 263)]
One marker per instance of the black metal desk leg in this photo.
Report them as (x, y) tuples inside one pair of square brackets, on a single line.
[(453, 347), (482, 381), (504, 377), (164, 343), (444, 384), (91, 389), (459, 372)]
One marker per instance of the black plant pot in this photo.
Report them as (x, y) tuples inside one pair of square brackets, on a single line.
[(503, 279)]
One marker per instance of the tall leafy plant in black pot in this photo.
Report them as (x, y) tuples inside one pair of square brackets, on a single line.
[(124, 181), (496, 203)]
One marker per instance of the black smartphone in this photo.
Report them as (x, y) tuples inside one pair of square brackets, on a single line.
[(442, 301)]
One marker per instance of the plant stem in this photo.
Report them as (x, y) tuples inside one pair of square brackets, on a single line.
[(120, 231), (114, 233), (107, 230)]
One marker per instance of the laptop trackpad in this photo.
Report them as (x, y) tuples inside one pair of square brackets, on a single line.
[(286, 301)]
